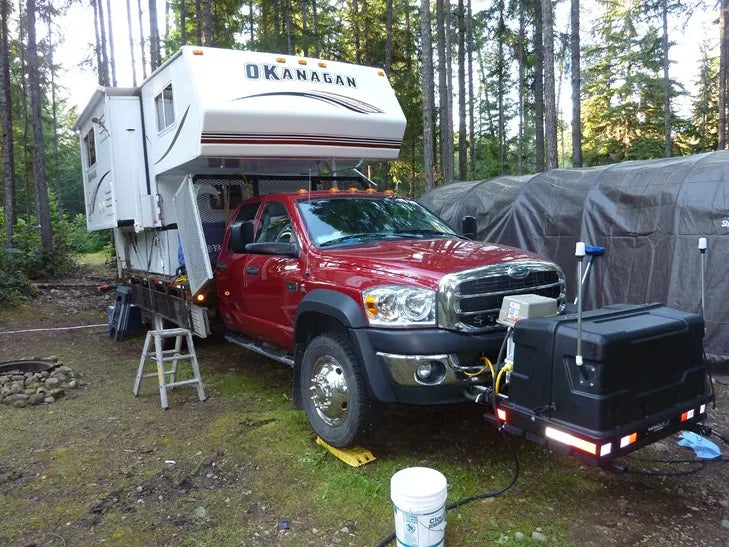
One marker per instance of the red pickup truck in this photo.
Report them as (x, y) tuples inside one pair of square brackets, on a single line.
[(370, 298)]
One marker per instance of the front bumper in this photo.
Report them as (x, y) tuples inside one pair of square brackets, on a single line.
[(391, 356)]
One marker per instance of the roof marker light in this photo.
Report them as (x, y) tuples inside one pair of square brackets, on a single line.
[(380, 72), (687, 415), (280, 59), (302, 61), (301, 191), (197, 51), (389, 192), (352, 189), (322, 64), (370, 190), (333, 190), (628, 439), (570, 440)]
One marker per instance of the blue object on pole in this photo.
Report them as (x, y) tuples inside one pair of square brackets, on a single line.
[(592, 250), (703, 447)]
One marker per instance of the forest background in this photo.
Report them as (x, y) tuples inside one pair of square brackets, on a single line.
[(483, 85)]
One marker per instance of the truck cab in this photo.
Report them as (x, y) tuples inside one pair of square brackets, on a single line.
[(375, 299)]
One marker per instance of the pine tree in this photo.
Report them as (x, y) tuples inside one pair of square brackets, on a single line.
[(6, 108), (426, 66)]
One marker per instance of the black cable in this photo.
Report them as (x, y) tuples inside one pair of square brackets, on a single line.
[(720, 436), (484, 495), (707, 371)]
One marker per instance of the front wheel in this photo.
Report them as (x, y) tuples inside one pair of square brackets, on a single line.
[(334, 391)]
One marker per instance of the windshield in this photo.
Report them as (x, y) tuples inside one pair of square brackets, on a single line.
[(350, 221)]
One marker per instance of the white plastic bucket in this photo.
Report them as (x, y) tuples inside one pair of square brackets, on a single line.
[(419, 496)]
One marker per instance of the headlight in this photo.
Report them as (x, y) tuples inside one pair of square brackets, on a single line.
[(398, 306)]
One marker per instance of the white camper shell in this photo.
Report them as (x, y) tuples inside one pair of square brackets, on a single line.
[(222, 113)]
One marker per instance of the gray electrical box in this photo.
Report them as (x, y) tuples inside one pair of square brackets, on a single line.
[(525, 306)]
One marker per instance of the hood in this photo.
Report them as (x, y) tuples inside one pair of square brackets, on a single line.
[(426, 260)]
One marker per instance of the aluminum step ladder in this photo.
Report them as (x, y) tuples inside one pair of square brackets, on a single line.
[(160, 356)]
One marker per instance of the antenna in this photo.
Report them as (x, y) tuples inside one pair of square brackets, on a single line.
[(580, 254), (703, 244), (306, 252)]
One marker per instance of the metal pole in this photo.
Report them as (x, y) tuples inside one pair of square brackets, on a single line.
[(703, 244), (580, 254)]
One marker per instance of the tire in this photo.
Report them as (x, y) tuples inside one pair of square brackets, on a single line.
[(334, 390)]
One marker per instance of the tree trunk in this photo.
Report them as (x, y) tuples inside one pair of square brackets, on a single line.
[(315, 21), (167, 27), (198, 22), (251, 20), (471, 98), (154, 51), (131, 44), (723, 62), (366, 33), (288, 24), (304, 28), (6, 108), (550, 106), (388, 38), (500, 36), (576, 85), (427, 71), (448, 167), (462, 138), (141, 41), (39, 168), (355, 32), (54, 114), (207, 23), (104, 55), (443, 90), (27, 162), (522, 71), (99, 60), (666, 83), (538, 86), (112, 61)]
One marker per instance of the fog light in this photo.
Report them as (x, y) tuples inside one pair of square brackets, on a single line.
[(424, 371)]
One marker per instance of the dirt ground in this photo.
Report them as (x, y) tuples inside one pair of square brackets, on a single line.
[(101, 466)]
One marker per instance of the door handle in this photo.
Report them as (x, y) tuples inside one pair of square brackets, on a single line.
[(252, 270), (222, 266)]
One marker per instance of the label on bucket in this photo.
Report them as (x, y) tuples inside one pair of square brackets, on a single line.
[(420, 530)]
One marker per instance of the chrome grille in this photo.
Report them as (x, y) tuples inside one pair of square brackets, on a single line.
[(469, 301)]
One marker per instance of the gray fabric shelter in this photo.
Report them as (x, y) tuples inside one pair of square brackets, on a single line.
[(647, 214)]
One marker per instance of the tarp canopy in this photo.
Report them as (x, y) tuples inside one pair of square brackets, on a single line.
[(648, 215)]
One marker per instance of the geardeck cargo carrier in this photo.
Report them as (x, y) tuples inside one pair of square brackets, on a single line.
[(643, 377)]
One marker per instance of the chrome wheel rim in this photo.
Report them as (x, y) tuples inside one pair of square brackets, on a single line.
[(328, 389)]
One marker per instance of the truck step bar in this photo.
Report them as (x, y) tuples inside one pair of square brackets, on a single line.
[(266, 350)]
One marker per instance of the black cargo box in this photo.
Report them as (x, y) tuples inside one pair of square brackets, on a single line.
[(639, 362)]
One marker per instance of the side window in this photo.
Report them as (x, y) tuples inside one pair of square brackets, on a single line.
[(90, 146), (248, 212), (275, 224), (165, 108)]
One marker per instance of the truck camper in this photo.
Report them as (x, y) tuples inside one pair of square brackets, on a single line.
[(233, 184)]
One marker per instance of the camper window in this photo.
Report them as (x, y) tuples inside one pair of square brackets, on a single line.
[(165, 108), (90, 147)]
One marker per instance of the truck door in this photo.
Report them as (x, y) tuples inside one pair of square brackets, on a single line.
[(230, 279), (272, 283)]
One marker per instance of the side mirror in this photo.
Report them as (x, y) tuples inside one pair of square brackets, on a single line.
[(279, 248), (241, 234), (468, 227)]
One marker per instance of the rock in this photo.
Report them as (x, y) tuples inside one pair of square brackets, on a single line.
[(52, 382), (20, 403), (18, 378), (5, 391), (61, 377), (64, 369), (45, 374), (16, 387), (41, 390), (53, 358), (4, 380), (57, 393), (32, 383), (724, 503), (73, 384), (49, 400), (36, 399), (519, 536), (16, 397), (29, 392), (200, 514), (28, 374), (725, 524), (538, 536)]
